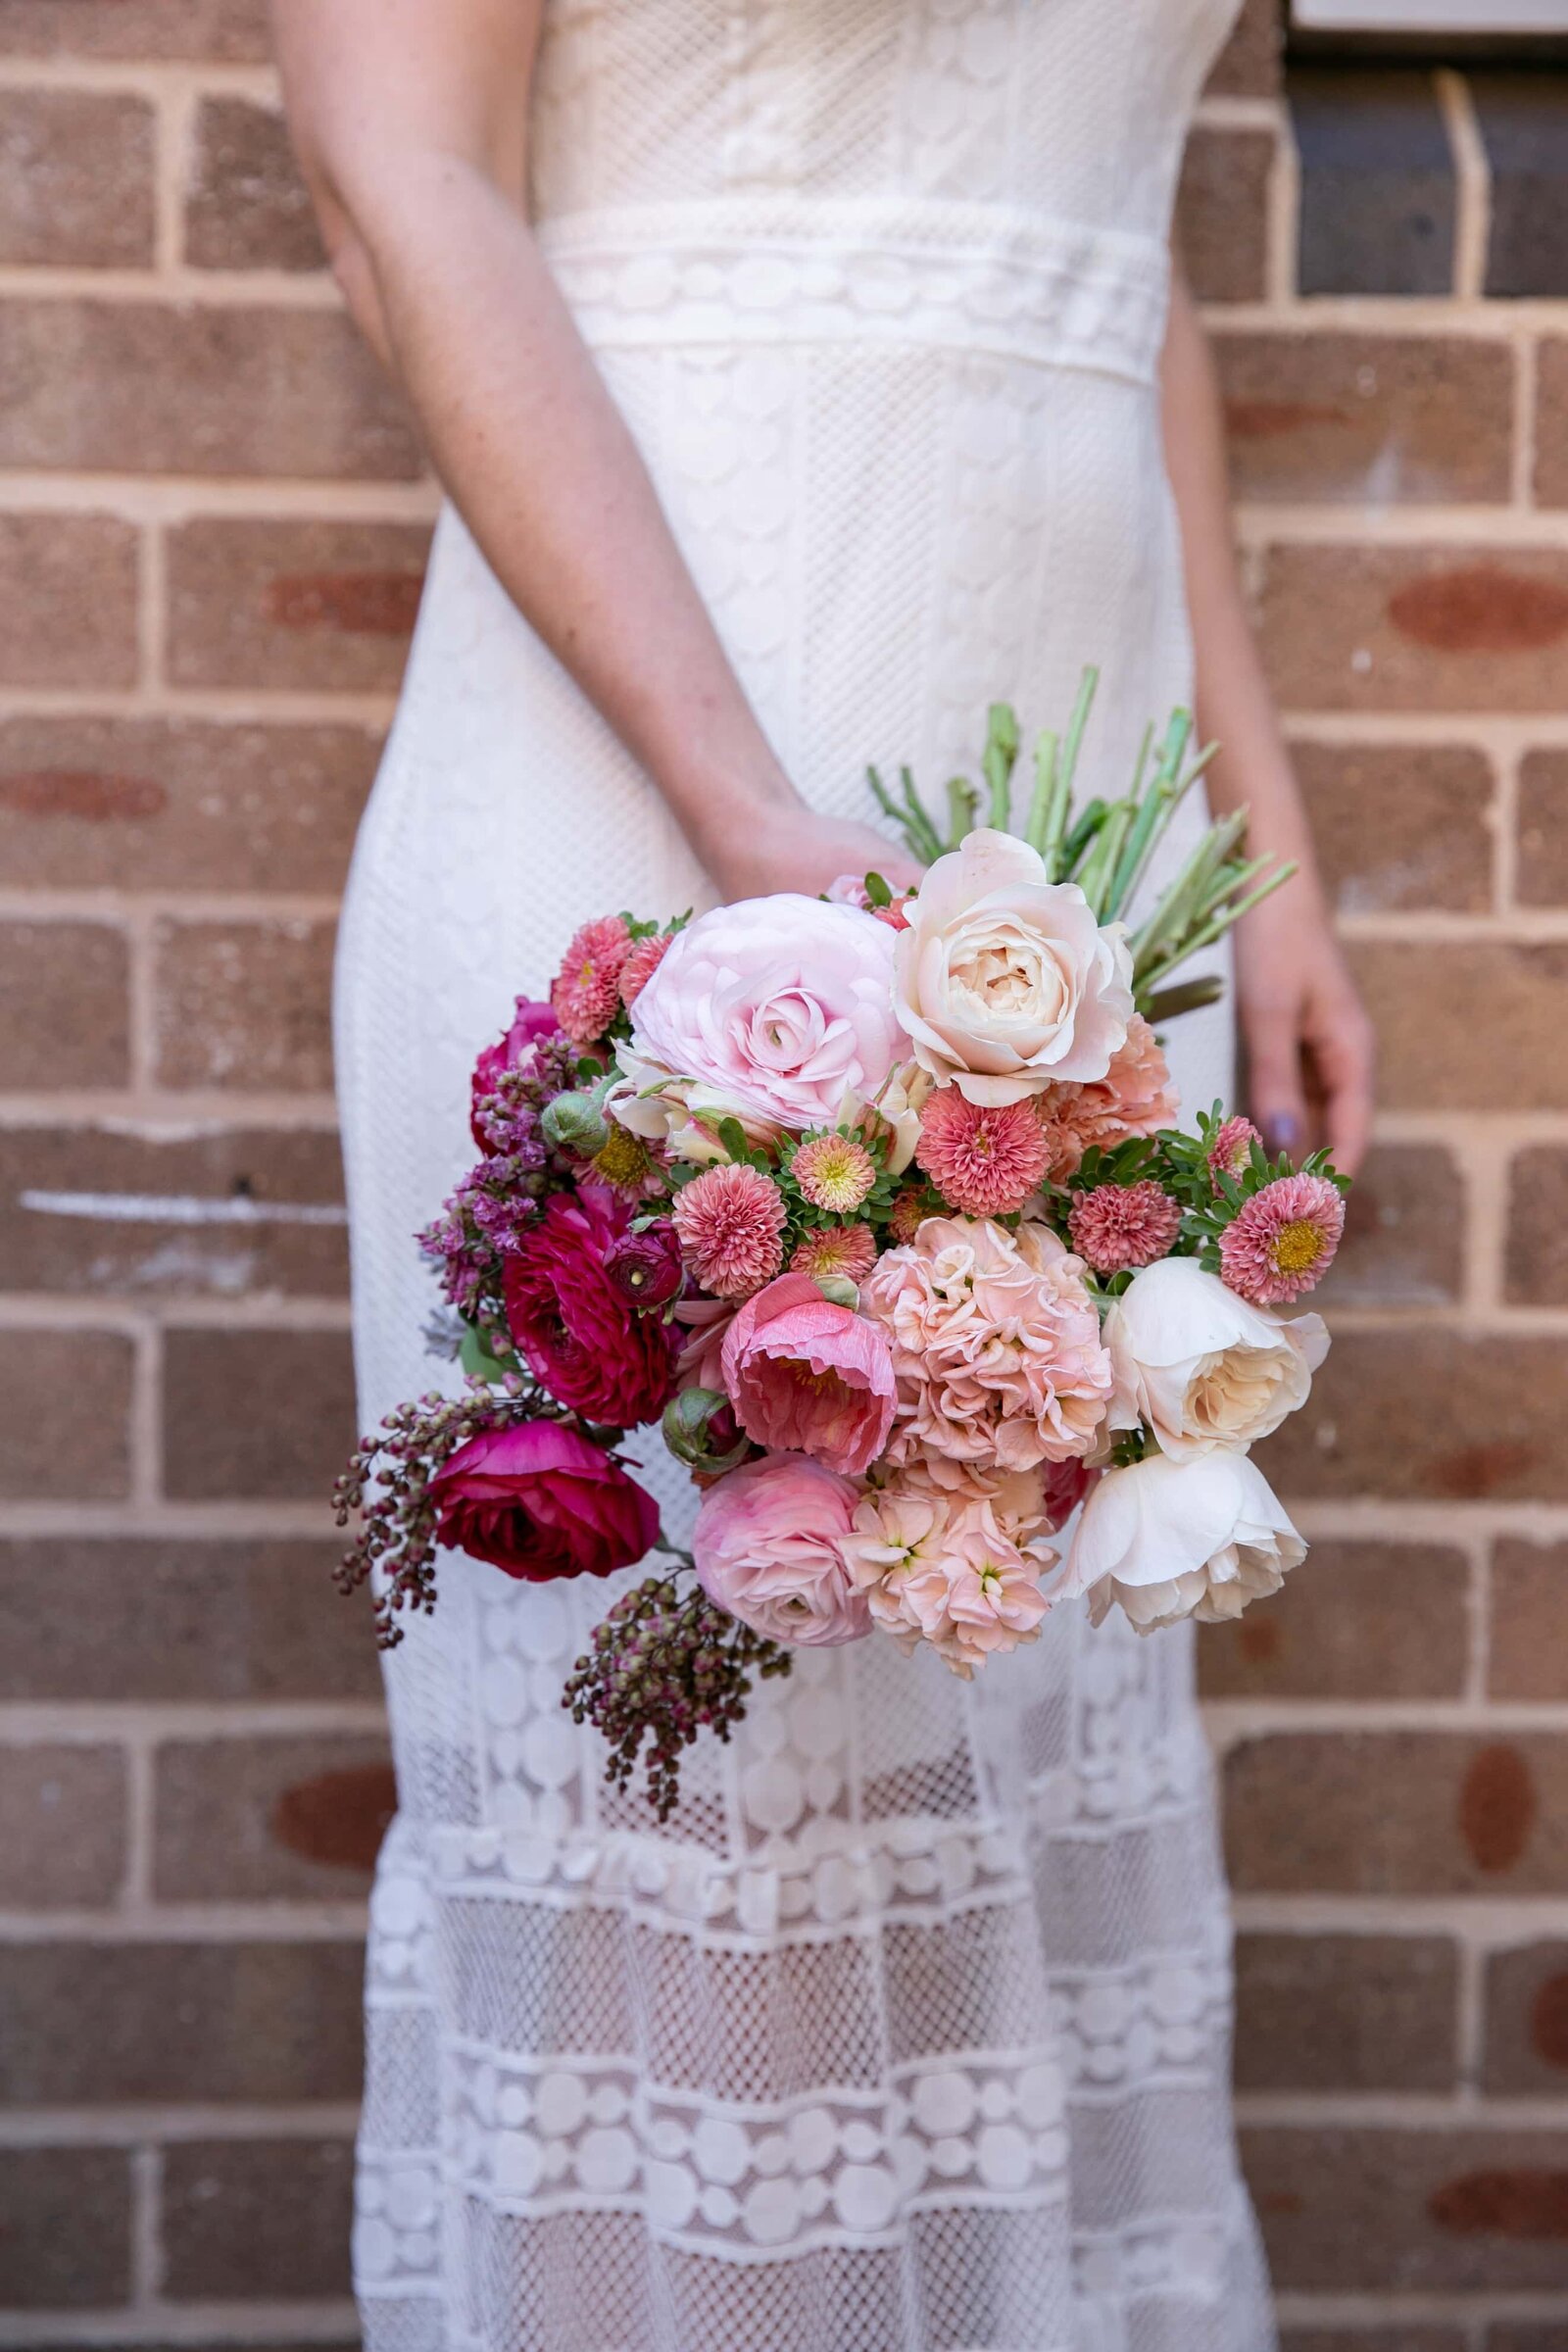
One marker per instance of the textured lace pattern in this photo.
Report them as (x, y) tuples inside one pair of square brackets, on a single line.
[(909, 2033)]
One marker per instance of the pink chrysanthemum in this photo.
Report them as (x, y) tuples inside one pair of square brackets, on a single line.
[(1117, 1227), (843, 1250), (731, 1226), (910, 1208), (585, 995), (983, 1158), (834, 1172), (1282, 1241), (1232, 1148), (641, 965)]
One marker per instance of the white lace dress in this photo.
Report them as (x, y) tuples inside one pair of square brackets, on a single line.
[(908, 2033)]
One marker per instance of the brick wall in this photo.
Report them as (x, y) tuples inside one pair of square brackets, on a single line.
[(211, 518)]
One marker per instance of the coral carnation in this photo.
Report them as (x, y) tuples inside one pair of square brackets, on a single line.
[(1232, 1148), (845, 1250), (984, 1158), (1135, 1097), (834, 1172), (1283, 1240), (641, 965), (1117, 1227), (585, 993), (731, 1224)]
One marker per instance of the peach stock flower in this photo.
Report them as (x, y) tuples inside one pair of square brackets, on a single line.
[(995, 1344), (1135, 1097)]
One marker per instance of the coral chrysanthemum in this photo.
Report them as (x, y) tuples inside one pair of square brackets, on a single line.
[(985, 1158), (585, 994), (1119, 1227), (847, 1251), (1232, 1148), (1283, 1240), (910, 1208), (834, 1172), (731, 1225), (641, 965)]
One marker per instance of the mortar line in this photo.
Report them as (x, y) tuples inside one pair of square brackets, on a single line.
[(146, 2227)]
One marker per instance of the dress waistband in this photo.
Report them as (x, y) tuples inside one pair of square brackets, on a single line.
[(804, 271)]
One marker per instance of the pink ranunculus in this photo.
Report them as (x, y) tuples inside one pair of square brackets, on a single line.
[(806, 1376), (571, 1322), (996, 1345), (777, 1012), (530, 1021), (539, 1502), (768, 1546), (706, 1323)]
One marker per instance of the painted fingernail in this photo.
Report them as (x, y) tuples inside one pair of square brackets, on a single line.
[(1281, 1133)]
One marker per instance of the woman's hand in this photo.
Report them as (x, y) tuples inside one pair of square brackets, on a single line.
[(1308, 1041), (783, 845)]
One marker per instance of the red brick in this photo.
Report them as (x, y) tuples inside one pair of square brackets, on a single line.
[(65, 990), (1541, 876), (48, 2261), (1415, 628), (1536, 1265), (1403, 1242), (1398, 1813), (1249, 65), (76, 179), (1221, 222), (166, 1617), (1321, 2013), (1529, 1648), (269, 2022), (227, 32), (1551, 422), (269, 2218), (247, 208), (248, 1819), (1351, 2210), (266, 1415), (326, 604), (1468, 1025), (1367, 418), (245, 1006), (1432, 1415), (1340, 1629), (61, 1823), (181, 803), (1401, 826), (164, 388), (49, 1241), (68, 600), (1527, 2022), (64, 1412)]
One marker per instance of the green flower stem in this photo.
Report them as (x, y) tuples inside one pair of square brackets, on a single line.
[(997, 765), (964, 805), (1047, 808)]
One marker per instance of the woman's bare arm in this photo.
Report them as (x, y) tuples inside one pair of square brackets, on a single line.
[(1301, 1017), (411, 120)]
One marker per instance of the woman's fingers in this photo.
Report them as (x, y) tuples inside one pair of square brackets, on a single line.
[(1343, 1053), (1276, 1096)]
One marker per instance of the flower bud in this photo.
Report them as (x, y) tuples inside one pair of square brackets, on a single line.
[(646, 1267), (839, 1289), (701, 1431), (576, 1123)]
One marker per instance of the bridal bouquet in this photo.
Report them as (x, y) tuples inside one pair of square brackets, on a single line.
[(875, 1202)]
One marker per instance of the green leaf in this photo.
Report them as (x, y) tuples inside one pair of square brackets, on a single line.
[(732, 1135), (476, 1359)]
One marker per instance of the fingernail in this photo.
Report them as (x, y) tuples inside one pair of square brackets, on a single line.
[(1281, 1133)]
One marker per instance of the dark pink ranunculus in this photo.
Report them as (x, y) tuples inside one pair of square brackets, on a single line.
[(571, 1322), (530, 1021), (647, 1267), (806, 1376), (539, 1502)]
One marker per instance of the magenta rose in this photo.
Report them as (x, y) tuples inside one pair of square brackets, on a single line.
[(571, 1322), (806, 1376), (768, 1549), (540, 1501), (530, 1021)]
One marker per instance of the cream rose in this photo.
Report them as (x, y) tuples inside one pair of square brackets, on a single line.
[(1005, 981), (1167, 1540), (1201, 1366)]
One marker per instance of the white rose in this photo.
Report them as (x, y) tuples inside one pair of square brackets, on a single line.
[(1201, 1366), (1172, 1540), (1005, 981)]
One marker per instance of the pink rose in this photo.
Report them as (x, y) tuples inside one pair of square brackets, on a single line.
[(539, 1502), (806, 1376), (777, 1012), (767, 1549), (571, 1321)]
